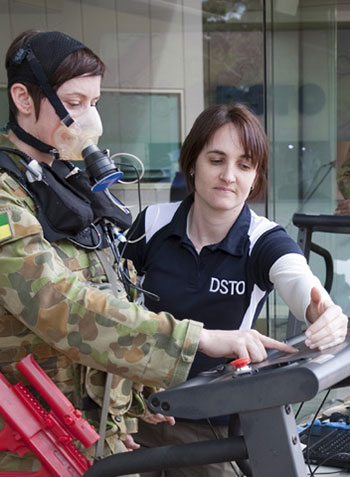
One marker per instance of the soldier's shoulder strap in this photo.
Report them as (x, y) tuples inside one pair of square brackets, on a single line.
[(9, 165)]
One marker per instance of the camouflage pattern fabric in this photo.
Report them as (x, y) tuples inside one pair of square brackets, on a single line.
[(52, 305), (343, 177)]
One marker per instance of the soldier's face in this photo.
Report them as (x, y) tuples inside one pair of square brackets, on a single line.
[(77, 94)]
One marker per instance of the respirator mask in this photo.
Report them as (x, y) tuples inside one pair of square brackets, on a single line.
[(79, 142), (85, 131)]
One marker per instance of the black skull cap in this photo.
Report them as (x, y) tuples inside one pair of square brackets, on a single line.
[(50, 48)]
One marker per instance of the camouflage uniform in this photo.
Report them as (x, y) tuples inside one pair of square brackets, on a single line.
[(52, 305)]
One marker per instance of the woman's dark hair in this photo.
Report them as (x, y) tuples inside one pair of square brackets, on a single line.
[(250, 132), (80, 62)]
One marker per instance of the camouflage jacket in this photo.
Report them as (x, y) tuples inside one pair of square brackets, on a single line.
[(51, 305)]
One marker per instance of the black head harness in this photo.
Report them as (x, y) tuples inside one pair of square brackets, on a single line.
[(36, 63)]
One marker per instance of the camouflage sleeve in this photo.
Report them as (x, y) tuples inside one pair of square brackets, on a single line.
[(89, 325)]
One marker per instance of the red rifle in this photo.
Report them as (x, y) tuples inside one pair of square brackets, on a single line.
[(48, 435)]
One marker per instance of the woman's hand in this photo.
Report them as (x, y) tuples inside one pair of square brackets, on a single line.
[(151, 418), (328, 323), (239, 344), (157, 418), (130, 444)]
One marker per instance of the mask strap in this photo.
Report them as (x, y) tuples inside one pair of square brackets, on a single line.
[(49, 92), (51, 95), (29, 139)]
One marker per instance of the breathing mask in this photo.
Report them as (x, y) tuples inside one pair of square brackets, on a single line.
[(79, 142), (71, 140)]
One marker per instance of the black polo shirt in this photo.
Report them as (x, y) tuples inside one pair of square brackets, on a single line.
[(224, 286)]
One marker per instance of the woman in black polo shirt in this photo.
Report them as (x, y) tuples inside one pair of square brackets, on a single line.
[(210, 258)]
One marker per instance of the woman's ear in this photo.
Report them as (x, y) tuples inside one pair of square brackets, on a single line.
[(22, 99)]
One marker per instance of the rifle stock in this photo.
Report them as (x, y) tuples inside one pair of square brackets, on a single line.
[(48, 435)]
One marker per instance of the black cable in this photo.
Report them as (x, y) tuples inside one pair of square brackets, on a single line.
[(309, 193), (309, 432), (118, 254), (313, 473), (332, 472), (217, 437), (298, 410), (121, 165), (123, 275)]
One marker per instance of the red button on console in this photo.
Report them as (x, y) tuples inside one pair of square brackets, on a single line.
[(240, 363)]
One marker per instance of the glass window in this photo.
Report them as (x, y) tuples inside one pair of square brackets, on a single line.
[(146, 124), (233, 53), (308, 60)]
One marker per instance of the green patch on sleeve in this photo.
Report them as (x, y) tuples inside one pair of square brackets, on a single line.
[(5, 228)]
